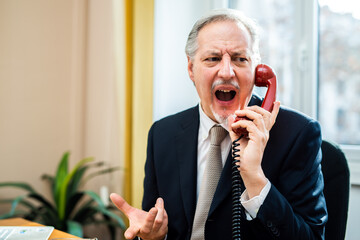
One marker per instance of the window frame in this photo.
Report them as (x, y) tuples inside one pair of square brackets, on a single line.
[(308, 60), (306, 79)]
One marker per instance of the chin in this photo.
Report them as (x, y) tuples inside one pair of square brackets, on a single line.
[(223, 116), (221, 119)]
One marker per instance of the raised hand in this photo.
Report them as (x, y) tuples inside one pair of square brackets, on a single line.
[(152, 225)]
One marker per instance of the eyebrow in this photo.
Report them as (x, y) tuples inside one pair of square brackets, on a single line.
[(234, 53), (212, 52)]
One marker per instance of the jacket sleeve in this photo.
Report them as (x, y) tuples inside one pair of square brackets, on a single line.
[(295, 207), (151, 192)]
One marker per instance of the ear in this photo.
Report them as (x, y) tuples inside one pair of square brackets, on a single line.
[(190, 69)]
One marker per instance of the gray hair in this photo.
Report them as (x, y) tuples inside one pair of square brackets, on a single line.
[(220, 15)]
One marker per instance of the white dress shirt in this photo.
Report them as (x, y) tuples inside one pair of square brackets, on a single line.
[(251, 205)]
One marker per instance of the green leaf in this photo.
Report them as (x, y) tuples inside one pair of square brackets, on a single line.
[(6, 200), (46, 216), (46, 211), (15, 203), (86, 215), (21, 185), (61, 174), (50, 179), (75, 181), (101, 172), (112, 215), (84, 211), (102, 209), (64, 186), (51, 183), (18, 201), (72, 204), (18, 213), (70, 209), (95, 197), (74, 228), (44, 202)]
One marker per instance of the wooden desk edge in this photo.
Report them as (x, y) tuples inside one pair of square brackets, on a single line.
[(23, 222)]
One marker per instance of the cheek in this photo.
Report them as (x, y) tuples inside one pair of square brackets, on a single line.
[(203, 82), (247, 82)]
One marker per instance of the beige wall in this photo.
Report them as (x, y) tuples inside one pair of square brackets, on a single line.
[(58, 87)]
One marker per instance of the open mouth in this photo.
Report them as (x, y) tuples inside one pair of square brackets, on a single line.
[(225, 95)]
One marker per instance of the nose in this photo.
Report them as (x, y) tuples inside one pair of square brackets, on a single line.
[(226, 70)]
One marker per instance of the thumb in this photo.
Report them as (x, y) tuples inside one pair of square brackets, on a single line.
[(131, 232), (231, 120), (274, 112)]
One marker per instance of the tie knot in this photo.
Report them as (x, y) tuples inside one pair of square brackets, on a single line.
[(217, 134)]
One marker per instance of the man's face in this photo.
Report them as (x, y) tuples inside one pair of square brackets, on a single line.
[(222, 70)]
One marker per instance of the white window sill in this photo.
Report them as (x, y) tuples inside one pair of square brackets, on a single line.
[(352, 154)]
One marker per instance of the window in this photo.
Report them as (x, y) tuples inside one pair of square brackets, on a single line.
[(339, 71), (314, 48), (276, 21)]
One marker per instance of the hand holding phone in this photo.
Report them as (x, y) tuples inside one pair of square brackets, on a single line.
[(264, 77)]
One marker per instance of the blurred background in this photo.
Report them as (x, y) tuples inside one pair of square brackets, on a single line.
[(90, 76)]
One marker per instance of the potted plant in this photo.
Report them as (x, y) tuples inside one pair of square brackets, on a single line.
[(70, 208)]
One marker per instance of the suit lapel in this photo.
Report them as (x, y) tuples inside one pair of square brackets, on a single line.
[(186, 144)]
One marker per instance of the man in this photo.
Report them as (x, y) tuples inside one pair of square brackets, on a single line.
[(280, 169)]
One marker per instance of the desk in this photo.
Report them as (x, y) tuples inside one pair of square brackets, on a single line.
[(23, 222)]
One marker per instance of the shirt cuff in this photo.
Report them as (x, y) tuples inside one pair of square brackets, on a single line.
[(253, 205)]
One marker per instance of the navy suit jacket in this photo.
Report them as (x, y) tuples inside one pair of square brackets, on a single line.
[(294, 208)]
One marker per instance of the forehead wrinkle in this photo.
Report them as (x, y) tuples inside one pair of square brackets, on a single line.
[(219, 52)]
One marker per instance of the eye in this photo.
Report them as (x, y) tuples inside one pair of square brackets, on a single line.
[(212, 59), (240, 59)]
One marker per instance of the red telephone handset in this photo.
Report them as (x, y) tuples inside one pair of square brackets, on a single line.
[(264, 77)]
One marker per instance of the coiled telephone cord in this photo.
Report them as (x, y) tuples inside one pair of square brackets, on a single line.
[(236, 190)]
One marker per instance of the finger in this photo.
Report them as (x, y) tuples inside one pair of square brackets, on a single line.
[(164, 227), (258, 109), (165, 215), (251, 113), (230, 120), (249, 125), (265, 116), (252, 119), (274, 113), (261, 111), (120, 203), (259, 118), (149, 221), (131, 232), (253, 108), (160, 214)]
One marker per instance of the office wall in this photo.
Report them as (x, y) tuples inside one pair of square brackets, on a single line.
[(59, 90), (40, 112)]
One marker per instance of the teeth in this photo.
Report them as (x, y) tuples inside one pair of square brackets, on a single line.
[(226, 91)]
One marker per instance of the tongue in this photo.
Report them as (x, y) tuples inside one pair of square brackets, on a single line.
[(225, 96)]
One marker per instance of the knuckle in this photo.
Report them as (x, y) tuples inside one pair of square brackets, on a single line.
[(264, 137), (158, 221), (145, 231)]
